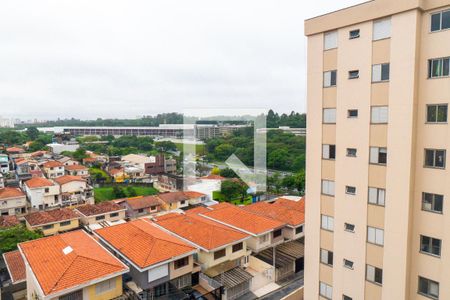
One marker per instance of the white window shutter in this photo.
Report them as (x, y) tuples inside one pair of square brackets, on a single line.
[(327, 79), (330, 40), (383, 114), (374, 155), (371, 234), (379, 237), (329, 115), (370, 273), (331, 187), (381, 29), (372, 195), (381, 196), (330, 223), (326, 151), (376, 73)]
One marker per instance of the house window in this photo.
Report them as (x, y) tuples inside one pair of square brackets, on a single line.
[(219, 254), (46, 227), (330, 40), (277, 233), (326, 290), (329, 78), (349, 227), (353, 34), (379, 114), (432, 202), (98, 218), (440, 21), (326, 257), (430, 245), (352, 113), (351, 152), (375, 236), (378, 155), (380, 72), (327, 223), (381, 29), (140, 210), (351, 190), (435, 158), (105, 286), (354, 74), (65, 223), (113, 215), (437, 113), (263, 238), (299, 230), (152, 208), (439, 67), (329, 151), (328, 187), (374, 274), (345, 297), (377, 196), (428, 287), (238, 247), (329, 115), (183, 202), (348, 264), (160, 290), (182, 262), (47, 190)]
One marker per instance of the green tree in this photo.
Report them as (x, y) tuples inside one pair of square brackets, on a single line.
[(32, 133), (10, 237), (232, 189), (131, 192), (118, 192), (36, 146), (228, 173), (223, 151), (79, 154), (166, 146)]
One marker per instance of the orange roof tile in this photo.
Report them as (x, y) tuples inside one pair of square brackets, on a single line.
[(9, 192), (143, 202), (100, 208), (193, 194), (38, 153), (38, 182), (9, 221), (201, 231), (143, 243), (277, 211), (52, 164), (15, 265), (50, 216), (75, 168), (297, 205), (172, 197), (68, 178), (14, 149), (115, 171), (69, 260), (197, 210)]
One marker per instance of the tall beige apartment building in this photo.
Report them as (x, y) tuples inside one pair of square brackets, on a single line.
[(378, 179)]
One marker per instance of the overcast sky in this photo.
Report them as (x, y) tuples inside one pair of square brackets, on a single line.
[(105, 58)]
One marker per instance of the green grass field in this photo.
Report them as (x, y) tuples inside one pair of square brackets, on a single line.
[(106, 193), (199, 149), (217, 195)]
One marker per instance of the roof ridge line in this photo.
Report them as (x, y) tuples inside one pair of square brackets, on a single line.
[(57, 281), (156, 238), (90, 258)]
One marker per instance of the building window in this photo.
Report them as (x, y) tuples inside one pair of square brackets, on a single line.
[(430, 245), (329, 151), (326, 257), (47, 190), (263, 238), (352, 113), (238, 247), (435, 158), (375, 236), (219, 254), (277, 233), (348, 264), (183, 202), (113, 215), (47, 227), (439, 67), (440, 21), (380, 72), (329, 115), (377, 196), (432, 202), (351, 190), (328, 187), (382, 29), (326, 290), (140, 210), (428, 287), (374, 274), (354, 74), (329, 78), (349, 227), (351, 152), (98, 218), (327, 223), (345, 297), (160, 290), (330, 40), (182, 262), (353, 34), (379, 115), (152, 208), (437, 113), (105, 286), (299, 230), (65, 223), (378, 155)]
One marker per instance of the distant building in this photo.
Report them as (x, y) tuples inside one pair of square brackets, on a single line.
[(42, 193), (107, 211), (12, 201), (6, 123), (53, 169), (4, 164), (53, 221), (59, 148), (161, 165)]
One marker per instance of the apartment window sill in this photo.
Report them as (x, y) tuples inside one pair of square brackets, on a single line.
[(327, 195), (436, 168), (386, 38), (433, 211), (429, 254), (375, 204), (377, 164), (427, 296), (325, 264), (331, 86), (375, 283), (378, 245), (436, 123)]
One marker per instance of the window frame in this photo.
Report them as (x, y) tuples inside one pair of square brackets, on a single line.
[(65, 223), (237, 247), (441, 60), (430, 246), (336, 40), (352, 37), (433, 201), (329, 257), (434, 158), (323, 115), (349, 229), (348, 266), (376, 231), (349, 113), (331, 79), (353, 74), (220, 253), (441, 20), (327, 225), (328, 187), (349, 187), (436, 106), (347, 152), (181, 263), (378, 156), (374, 280), (330, 146), (382, 65), (328, 289), (428, 281), (378, 21), (377, 196)]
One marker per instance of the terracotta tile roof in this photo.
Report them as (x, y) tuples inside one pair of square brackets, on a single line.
[(193, 194), (15, 265), (220, 206), (89, 159), (9, 221), (213, 177), (143, 202), (75, 168), (14, 149), (38, 182), (38, 153), (9, 192), (297, 205), (21, 162), (172, 197), (143, 243), (242, 219), (115, 171), (69, 260), (278, 211), (50, 216), (201, 231), (52, 164), (100, 208), (68, 178), (197, 210)]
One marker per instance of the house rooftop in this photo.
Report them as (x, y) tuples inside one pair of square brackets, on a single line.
[(38, 182), (52, 164), (141, 202), (278, 211), (9, 221), (98, 209), (193, 194), (52, 216), (14, 150), (173, 197), (10, 193), (75, 168), (15, 265), (143, 243), (69, 260), (68, 178)]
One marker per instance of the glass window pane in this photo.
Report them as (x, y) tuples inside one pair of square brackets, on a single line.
[(385, 72), (440, 158), (436, 68), (446, 67), (434, 289), (446, 19), (423, 285), (376, 73), (431, 113), (333, 78), (436, 246), (436, 22), (438, 203), (442, 113), (425, 244), (429, 158), (381, 195), (326, 79)]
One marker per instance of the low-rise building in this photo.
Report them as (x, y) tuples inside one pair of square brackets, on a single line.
[(53, 221), (53, 169), (4, 164), (140, 206), (101, 212), (195, 198), (174, 200), (80, 268), (160, 264), (74, 190), (12, 201), (77, 170), (16, 285), (67, 161), (42, 193)]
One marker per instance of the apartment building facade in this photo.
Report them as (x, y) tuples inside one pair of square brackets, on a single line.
[(378, 93)]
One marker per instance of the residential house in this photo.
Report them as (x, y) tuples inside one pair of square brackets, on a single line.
[(169, 182), (161, 165), (8, 221), (22, 168), (195, 198), (4, 164), (107, 211), (16, 285), (160, 264), (77, 170), (138, 160), (14, 152), (174, 200), (140, 206), (53, 221), (67, 161), (12, 201), (53, 169), (74, 190), (42, 193), (80, 268)]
